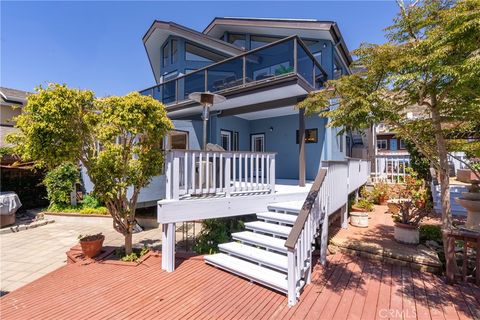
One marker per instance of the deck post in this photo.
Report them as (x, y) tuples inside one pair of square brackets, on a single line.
[(344, 215), (292, 282), (168, 175), (272, 174), (175, 177), (227, 177), (168, 247)]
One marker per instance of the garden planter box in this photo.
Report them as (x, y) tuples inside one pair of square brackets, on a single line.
[(359, 219), (465, 175), (407, 234)]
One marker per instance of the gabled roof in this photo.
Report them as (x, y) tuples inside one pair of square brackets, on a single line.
[(307, 26), (13, 96), (159, 31)]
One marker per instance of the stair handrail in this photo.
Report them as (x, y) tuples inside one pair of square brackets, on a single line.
[(306, 209)]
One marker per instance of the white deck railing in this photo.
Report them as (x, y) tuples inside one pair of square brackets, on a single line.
[(197, 173), (358, 173), (329, 193), (391, 168)]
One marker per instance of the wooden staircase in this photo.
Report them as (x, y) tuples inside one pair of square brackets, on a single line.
[(259, 253)]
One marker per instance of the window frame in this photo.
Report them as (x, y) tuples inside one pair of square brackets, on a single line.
[(166, 58), (297, 139), (229, 134), (173, 55), (382, 140), (254, 135)]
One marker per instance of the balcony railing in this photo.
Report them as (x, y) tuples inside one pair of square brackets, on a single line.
[(275, 60)]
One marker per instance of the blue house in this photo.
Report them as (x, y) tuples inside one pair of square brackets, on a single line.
[(264, 67), (264, 156)]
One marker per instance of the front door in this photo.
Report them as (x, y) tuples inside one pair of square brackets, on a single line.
[(258, 142)]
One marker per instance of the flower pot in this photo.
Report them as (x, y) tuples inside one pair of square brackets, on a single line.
[(382, 200), (359, 219), (93, 247), (406, 233)]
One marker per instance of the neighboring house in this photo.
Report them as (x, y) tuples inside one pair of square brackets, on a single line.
[(11, 104), (15, 175)]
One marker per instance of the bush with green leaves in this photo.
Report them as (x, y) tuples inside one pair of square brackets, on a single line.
[(60, 183), (431, 232), (89, 201), (216, 231)]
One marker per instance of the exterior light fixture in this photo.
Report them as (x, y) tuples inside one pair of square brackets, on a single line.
[(207, 100)]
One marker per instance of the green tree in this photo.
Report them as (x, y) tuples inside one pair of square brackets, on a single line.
[(117, 139), (430, 63)]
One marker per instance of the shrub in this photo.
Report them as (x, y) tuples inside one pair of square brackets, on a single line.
[(60, 183), (214, 232), (431, 232), (78, 209), (90, 201), (380, 191), (366, 204)]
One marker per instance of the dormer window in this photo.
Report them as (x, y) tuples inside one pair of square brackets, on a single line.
[(170, 52)]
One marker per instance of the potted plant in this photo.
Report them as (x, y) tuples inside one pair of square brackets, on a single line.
[(91, 244), (381, 192), (359, 213), (411, 211)]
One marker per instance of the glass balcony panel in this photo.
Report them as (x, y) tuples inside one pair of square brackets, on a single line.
[(225, 75), (146, 92), (157, 93), (169, 92), (194, 82), (304, 65), (270, 62), (319, 78)]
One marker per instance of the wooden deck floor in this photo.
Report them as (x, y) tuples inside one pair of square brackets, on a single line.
[(348, 288)]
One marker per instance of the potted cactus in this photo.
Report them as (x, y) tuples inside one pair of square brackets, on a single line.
[(91, 244)]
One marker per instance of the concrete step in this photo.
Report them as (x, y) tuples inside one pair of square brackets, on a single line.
[(269, 228), (256, 255), (260, 240), (267, 277), (283, 218)]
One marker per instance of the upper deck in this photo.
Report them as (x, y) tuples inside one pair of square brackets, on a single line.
[(280, 70)]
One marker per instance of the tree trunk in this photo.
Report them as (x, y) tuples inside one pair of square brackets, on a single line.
[(128, 243), (443, 172)]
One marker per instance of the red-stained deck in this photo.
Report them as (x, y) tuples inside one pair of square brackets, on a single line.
[(348, 288)]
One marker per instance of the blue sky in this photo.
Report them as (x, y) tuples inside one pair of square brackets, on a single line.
[(98, 46)]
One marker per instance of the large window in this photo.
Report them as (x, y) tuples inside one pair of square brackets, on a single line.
[(402, 144), (174, 51), (238, 40), (260, 41), (195, 53), (382, 144), (166, 53)]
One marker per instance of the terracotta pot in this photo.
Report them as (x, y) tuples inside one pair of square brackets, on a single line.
[(382, 200), (406, 233), (357, 209), (359, 219), (92, 248)]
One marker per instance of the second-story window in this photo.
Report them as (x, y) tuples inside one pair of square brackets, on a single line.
[(237, 40), (174, 50), (260, 41), (166, 53), (382, 144), (196, 53)]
